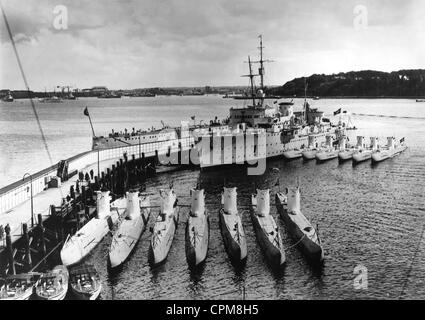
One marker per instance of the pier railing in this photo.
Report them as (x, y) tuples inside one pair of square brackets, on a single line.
[(20, 191)]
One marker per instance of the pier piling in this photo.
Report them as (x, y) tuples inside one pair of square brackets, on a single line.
[(9, 248), (27, 260), (41, 235)]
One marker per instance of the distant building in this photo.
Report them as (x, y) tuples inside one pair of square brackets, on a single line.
[(98, 91)]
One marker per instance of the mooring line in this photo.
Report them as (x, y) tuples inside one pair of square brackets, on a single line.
[(411, 264), (45, 257), (43, 137)]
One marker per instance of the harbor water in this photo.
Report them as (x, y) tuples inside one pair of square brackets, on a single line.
[(369, 217)]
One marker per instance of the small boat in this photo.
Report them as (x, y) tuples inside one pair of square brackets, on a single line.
[(310, 152), (391, 150), (197, 229), (52, 99), (266, 229), (18, 287), (327, 153), (292, 154), (231, 226), (85, 282), (88, 237), (363, 154), (165, 226), (8, 98), (130, 229), (420, 100), (53, 285), (316, 98), (288, 206)]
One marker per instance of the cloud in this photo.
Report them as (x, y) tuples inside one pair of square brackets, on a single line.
[(170, 42)]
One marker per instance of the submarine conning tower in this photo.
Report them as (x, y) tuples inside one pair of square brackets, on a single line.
[(343, 143), (133, 205), (197, 206), (168, 199), (311, 141), (103, 206), (229, 200), (374, 142), (263, 202), (329, 140), (294, 199), (390, 141), (360, 141)]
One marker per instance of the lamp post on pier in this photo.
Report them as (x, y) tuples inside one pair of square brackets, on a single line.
[(32, 203)]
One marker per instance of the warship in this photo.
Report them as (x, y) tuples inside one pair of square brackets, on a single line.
[(261, 129)]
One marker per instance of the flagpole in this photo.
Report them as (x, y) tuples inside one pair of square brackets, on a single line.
[(91, 124), (86, 112)]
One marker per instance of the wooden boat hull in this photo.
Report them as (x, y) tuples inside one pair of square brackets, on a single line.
[(159, 251), (196, 253), (85, 282), (23, 296), (236, 251), (93, 295), (274, 255), (310, 248), (60, 273), (11, 287)]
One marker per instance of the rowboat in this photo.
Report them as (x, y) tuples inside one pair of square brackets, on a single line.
[(288, 206), (88, 237), (165, 226), (231, 226), (391, 150), (18, 287), (85, 282), (197, 229), (130, 229), (53, 285), (266, 229)]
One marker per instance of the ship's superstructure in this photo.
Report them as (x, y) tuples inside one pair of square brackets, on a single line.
[(260, 130)]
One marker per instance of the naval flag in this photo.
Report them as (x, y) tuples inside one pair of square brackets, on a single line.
[(402, 140), (337, 112), (86, 112), (192, 117)]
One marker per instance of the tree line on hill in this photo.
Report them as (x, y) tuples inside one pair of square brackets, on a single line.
[(368, 83)]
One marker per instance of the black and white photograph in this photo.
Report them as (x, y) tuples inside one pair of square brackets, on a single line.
[(212, 150)]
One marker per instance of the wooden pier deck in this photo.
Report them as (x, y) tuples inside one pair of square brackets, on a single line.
[(41, 204)]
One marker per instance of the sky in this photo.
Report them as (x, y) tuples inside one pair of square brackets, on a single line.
[(166, 43)]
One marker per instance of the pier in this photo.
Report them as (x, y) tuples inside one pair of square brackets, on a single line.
[(38, 212)]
